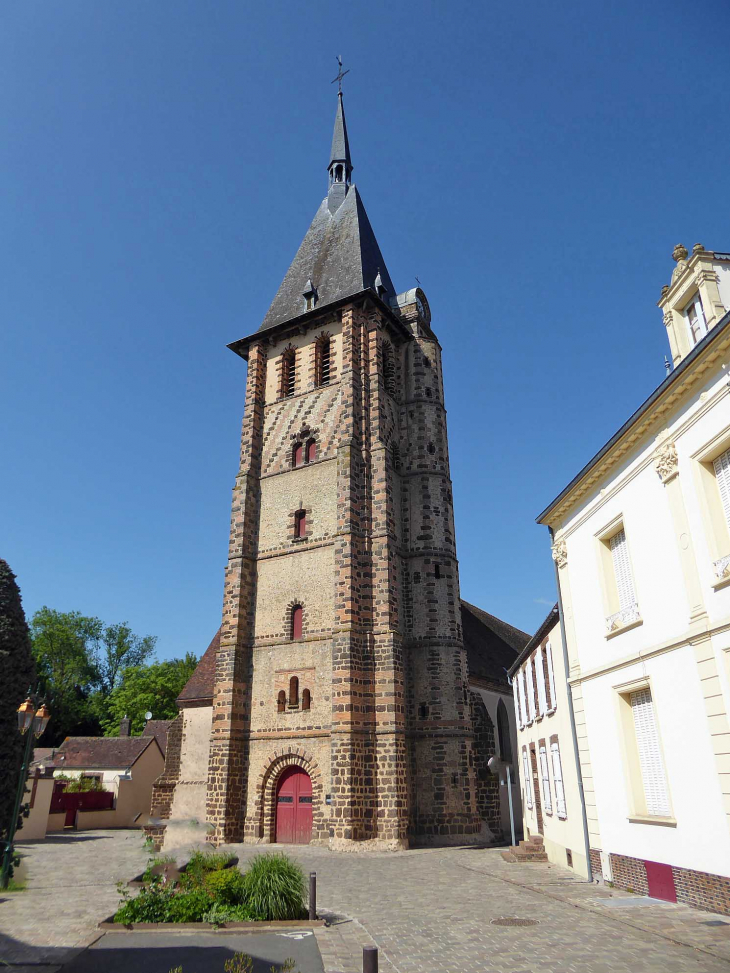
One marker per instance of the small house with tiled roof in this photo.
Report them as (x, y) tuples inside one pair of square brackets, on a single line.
[(125, 767)]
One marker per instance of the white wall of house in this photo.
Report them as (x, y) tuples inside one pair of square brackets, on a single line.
[(679, 646), (562, 829)]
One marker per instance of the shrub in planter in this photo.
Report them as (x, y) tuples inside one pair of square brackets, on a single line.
[(188, 906), (274, 887), (226, 886), (200, 864)]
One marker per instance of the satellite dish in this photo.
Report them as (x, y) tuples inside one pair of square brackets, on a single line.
[(148, 715)]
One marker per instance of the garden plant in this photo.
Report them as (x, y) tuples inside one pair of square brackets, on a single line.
[(208, 890)]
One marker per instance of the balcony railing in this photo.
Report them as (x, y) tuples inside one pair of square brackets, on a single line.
[(622, 618)]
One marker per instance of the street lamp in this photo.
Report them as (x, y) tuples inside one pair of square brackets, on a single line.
[(30, 716)]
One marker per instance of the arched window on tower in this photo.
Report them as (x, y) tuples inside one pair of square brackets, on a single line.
[(388, 363), (306, 699), (322, 349), (311, 451), (338, 173), (294, 691), (296, 622), (289, 372), (298, 454), (281, 702)]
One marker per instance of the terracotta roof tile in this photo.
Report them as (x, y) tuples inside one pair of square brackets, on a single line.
[(100, 753), (157, 729), (201, 684)]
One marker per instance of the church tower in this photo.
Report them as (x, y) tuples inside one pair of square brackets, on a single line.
[(341, 708)]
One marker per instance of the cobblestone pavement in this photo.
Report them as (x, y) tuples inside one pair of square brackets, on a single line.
[(427, 911), (71, 885), (431, 910)]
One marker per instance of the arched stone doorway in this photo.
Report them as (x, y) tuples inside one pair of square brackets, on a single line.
[(293, 822), (261, 823)]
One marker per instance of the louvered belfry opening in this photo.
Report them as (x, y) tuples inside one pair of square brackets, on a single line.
[(388, 368), (289, 372), (323, 352)]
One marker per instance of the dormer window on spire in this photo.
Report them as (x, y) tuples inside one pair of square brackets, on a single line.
[(310, 296)]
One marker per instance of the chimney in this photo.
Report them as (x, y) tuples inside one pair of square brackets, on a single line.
[(125, 727)]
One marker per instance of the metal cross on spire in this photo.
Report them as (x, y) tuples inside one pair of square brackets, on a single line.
[(340, 74)]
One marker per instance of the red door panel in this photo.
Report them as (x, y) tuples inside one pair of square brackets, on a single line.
[(294, 807), (661, 881)]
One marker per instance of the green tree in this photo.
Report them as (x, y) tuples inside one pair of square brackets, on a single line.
[(152, 688), (117, 648), (17, 674), (63, 649)]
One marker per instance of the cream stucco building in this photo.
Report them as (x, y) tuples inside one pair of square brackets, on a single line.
[(641, 538), (545, 759)]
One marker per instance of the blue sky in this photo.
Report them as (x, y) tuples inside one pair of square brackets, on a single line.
[(533, 164)]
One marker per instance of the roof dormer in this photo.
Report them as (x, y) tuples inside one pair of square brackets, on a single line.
[(696, 298)]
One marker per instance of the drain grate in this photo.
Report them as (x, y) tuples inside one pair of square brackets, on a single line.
[(514, 921)]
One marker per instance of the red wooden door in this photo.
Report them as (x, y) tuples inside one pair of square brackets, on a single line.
[(660, 880), (294, 807)]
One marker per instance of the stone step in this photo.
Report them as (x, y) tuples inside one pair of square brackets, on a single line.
[(527, 854)]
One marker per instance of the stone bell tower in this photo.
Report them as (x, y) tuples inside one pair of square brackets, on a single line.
[(341, 711)]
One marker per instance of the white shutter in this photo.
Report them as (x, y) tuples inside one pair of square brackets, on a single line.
[(551, 676), (530, 694), (546, 798), (722, 475), (518, 701), (622, 570), (523, 690), (650, 757), (528, 779), (541, 697), (558, 781)]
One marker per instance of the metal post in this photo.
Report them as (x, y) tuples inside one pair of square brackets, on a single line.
[(312, 895), (511, 809), (8, 854), (370, 959)]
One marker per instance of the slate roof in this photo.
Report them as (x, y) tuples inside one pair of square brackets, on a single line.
[(548, 624), (340, 143), (100, 753), (157, 729), (341, 257), (200, 685), (491, 644)]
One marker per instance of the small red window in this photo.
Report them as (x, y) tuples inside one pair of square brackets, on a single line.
[(294, 691), (281, 702), (300, 523), (311, 451), (296, 622), (298, 454), (306, 699)]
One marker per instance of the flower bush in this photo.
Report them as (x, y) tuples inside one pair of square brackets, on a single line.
[(272, 888)]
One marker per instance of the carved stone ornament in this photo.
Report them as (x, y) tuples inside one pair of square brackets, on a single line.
[(667, 318), (679, 254), (666, 462), (560, 552)]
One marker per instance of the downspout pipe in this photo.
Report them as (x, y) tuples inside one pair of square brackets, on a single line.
[(571, 712)]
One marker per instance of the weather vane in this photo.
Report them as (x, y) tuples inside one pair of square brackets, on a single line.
[(340, 74)]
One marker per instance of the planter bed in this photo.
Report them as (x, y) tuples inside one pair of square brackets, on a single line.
[(108, 925)]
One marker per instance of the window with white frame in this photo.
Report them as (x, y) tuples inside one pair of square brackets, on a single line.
[(558, 779), (540, 673), (656, 793), (696, 322), (551, 676), (622, 597), (547, 802), (527, 777), (721, 466), (530, 690), (518, 707)]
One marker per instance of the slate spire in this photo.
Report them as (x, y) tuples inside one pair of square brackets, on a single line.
[(339, 255), (340, 164)]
